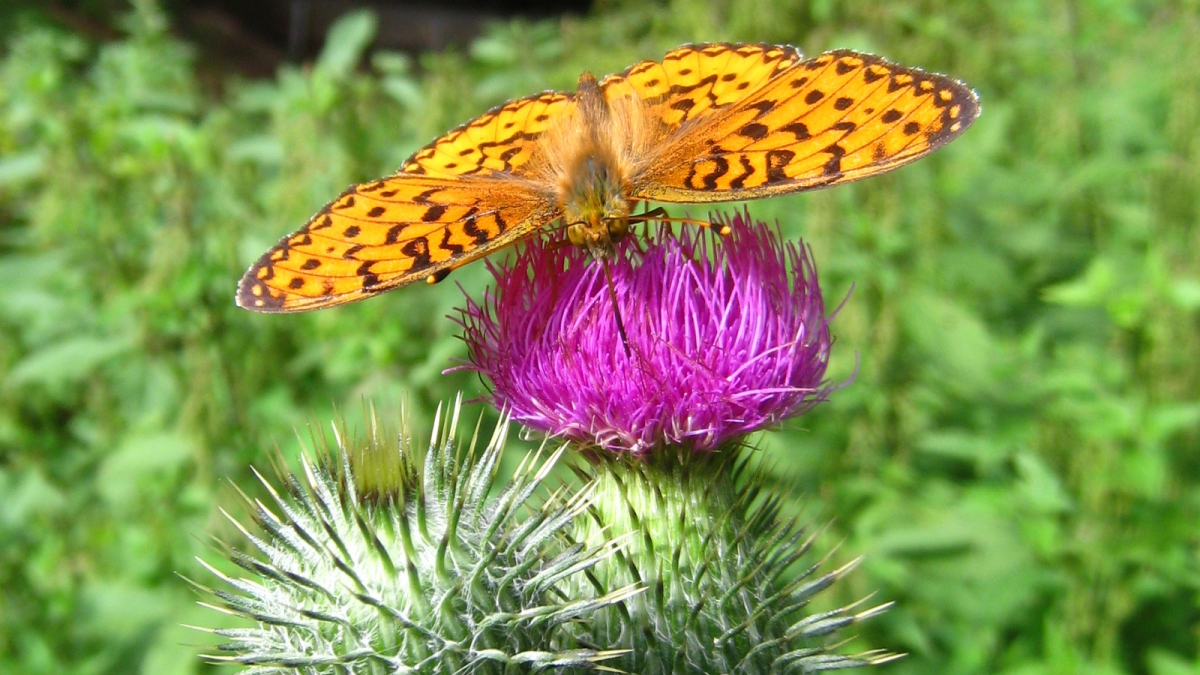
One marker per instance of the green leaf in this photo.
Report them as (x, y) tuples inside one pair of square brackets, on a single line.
[(1087, 290), (346, 42), (67, 362), (142, 461), (1185, 292), (1163, 662), (1040, 487), (21, 168)]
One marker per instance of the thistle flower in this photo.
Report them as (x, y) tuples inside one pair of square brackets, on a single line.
[(378, 559), (726, 336)]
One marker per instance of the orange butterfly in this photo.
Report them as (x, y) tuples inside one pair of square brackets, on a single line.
[(709, 123)]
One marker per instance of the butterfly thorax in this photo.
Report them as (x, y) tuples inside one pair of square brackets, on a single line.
[(592, 182)]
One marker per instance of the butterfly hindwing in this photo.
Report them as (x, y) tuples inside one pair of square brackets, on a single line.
[(835, 118), (388, 233)]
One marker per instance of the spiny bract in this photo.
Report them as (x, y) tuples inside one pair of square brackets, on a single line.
[(727, 588)]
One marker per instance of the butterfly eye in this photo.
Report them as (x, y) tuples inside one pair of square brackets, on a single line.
[(575, 233), (618, 228)]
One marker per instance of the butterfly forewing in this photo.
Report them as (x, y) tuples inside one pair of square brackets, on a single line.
[(695, 80), (388, 233), (501, 141), (836, 118)]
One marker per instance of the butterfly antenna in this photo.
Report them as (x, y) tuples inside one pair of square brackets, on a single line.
[(612, 294), (660, 214)]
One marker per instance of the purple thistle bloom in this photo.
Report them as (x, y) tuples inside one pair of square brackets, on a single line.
[(727, 336)]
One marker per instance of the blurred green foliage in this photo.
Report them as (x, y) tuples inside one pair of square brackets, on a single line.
[(1016, 456)]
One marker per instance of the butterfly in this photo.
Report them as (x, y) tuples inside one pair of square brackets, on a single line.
[(707, 123)]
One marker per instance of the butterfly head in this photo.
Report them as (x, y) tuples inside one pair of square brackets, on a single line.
[(594, 202), (598, 235)]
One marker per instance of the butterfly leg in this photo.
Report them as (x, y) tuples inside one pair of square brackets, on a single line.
[(637, 243), (637, 240), (559, 226)]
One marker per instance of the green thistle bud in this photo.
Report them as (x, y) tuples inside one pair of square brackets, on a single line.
[(378, 560), (726, 589)]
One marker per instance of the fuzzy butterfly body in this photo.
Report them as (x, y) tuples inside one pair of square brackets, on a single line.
[(708, 123)]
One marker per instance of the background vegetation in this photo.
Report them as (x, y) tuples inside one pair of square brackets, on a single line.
[(1016, 456)]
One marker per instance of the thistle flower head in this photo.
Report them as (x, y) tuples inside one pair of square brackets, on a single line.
[(729, 577), (385, 559), (726, 336)]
